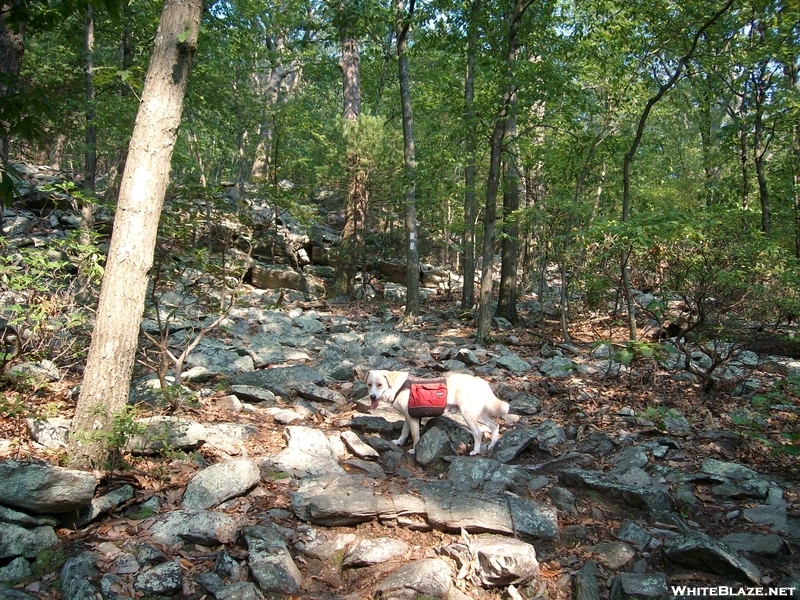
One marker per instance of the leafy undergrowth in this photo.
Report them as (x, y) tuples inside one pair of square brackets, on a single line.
[(766, 425)]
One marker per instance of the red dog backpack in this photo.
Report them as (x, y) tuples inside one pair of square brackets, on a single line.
[(428, 398)]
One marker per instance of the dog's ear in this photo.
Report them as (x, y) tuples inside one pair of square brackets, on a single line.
[(392, 378)]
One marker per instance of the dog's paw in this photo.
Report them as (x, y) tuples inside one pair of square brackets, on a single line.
[(412, 451), (398, 442), (475, 453)]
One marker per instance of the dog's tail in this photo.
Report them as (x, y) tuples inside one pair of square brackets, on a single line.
[(496, 407)]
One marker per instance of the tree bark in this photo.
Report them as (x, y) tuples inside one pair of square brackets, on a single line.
[(493, 178), (12, 48), (106, 382), (355, 192), (90, 166), (409, 155), (637, 138), (509, 251), (470, 145)]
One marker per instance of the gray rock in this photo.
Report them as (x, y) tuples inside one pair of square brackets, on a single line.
[(280, 380), (613, 555), (357, 447), (451, 510), (374, 551), (270, 562), (309, 452), (728, 470), (166, 432), (8, 515), (17, 569), (503, 561), (467, 356), (698, 551), (42, 371), (635, 586), (548, 434), (317, 393), (228, 566), (596, 444), (39, 487), (654, 500), (220, 482), (525, 405), (486, 474), (76, 575), (633, 456), (323, 545), (211, 582), (757, 544), (429, 577), (199, 526), (557, 367), (349, 500), (100, 506), (634, 534), (587, 586), (253, 394), (242, 590), (163, 579), (433, 445), (219, 357), (513, 443), (513, 363), (51, 433), (563, 499)]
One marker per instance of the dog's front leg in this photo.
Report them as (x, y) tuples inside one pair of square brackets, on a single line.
[(403, 434)]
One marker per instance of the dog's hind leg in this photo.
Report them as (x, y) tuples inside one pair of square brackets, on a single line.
[(414, 435), (494, 428)]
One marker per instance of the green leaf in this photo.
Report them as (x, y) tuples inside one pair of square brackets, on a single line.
[(184, 35)]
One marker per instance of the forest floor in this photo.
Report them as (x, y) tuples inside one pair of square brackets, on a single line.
[(579, 405)]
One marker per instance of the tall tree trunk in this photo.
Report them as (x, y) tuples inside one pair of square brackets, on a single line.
[(403, 23), (112, 351), (760, 144), (628, 159), (509, 252), (794, 84), (112, 190), (356, 194), (470, 145), (12, 47), (90, 166), (493, 177)]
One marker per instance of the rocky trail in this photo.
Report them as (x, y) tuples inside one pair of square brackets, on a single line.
[(274, 479)]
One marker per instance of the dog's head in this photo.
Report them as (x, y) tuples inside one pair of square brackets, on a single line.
[(379, 384)]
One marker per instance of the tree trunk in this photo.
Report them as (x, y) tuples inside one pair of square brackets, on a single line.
[(355, 198), (637, 138), (412, 248), (12, 47), (760, 144), (90, 166), (106, 382), (509, 252), (470, 145), (493, 178), (794, 80), (112, 191)]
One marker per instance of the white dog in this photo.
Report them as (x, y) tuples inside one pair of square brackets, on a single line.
[(471, 395)]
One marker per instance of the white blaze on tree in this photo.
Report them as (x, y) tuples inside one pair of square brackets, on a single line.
[(104, 391)]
